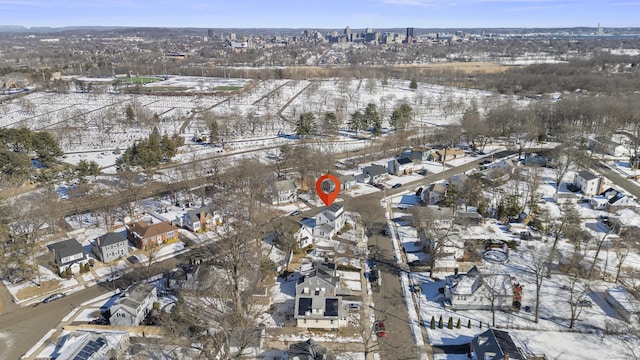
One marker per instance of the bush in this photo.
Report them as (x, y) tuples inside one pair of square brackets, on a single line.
[(469, 324), (517, 305), (450, 323), (440, 325), (480, 324), (458, 324), (156, 306), (433, 323)]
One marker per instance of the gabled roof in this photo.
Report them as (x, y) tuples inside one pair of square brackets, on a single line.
[(306, 350), (144, 230), (132, 297), (67, 248), (194, 214), (335, 207), (375, 170), (587, 175), (325, 271), (497, 343), (111, 238), (284, 185)]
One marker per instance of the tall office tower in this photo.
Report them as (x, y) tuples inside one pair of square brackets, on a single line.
[(409, 35), (211, 33), (347, 33)]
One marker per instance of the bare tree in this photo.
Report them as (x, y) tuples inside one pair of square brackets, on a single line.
[(536, 264), (577, 294), (433, 225), (567, 222)]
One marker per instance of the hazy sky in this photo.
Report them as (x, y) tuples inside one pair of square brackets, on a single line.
[(322, 14)]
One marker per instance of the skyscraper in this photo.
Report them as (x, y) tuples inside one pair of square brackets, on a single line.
[(409, 35)]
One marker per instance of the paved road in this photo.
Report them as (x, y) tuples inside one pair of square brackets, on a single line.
[(616, 178)]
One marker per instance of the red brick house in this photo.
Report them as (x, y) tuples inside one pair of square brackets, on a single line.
[(143, 234)]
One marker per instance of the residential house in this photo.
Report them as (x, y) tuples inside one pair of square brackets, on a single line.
[(68, 254), (110, 246), (363, 178), (475, 291), (143, 234), (589, 183), (616, 149), (198, 220), (317, 304), (184, 276), (420, 154), (495, 345), (376, 173), (458, 181), (283, 192), (624, 220), (400, 166), (304, 237), (94, 345), (615, 200), (508, 166), (329, 221), (433, 194), (467, 219), (441, 155), (133, 305), (346, 181), (624, 303), (307, 350), (533, 159)]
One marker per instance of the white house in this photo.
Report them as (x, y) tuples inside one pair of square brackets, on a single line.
[(376, 173), (616, 149), (624, 219), (346, 181), (589, 183), (283, 191), (304, 236), (624, 303), (475, 291), (329, 221), (197, 220), (400, 166), (433, 194), (110, 246), (133, 305)]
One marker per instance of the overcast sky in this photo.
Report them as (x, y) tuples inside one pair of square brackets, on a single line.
[(322, 13)]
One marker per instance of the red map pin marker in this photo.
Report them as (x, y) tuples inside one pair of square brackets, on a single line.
[(326, 191)]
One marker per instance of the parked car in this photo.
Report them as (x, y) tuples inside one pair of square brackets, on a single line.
[(395, 186), (379, 186), (419, 191), (354, 306), (381, 330), (295, 213), (585, 303), (485, 162), (133, 259), (53, 297), (100, 321)]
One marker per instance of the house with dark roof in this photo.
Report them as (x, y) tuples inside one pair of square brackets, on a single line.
[(198, 220), (143, 234), (433, 194), (68, 254), (133, 305), (307, 350), (90, 345), (420, 154), (346, 181), (400, 166), (496, 345), (110, 246), (376, 173), (589, 183), (317, 303)]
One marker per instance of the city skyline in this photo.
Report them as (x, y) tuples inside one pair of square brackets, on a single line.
[(328, 14)]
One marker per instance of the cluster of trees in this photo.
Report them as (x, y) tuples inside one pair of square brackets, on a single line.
[(151, 152), (18, 146), (370, 120)]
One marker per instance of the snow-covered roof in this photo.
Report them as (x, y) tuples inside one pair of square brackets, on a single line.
[(625, 299)]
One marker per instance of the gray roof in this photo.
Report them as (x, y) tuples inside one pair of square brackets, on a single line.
[(587, 175), (66, 248), (375, 170), (284, 185), (194, 214), (496, 342), (307, 350), (334, 207), (111, 238), (136, 293)]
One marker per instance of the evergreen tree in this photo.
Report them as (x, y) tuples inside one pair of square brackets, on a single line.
[(357, 121), (306, 124), (413, 85), (458, 324), (440, 323), (331, 123), (450, 323), (373, 119), (469, 324), (433, 322)]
